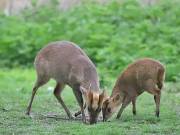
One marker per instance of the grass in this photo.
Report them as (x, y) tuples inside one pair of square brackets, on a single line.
[(15, 92)]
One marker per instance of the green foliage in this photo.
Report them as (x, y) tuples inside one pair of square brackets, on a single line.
[(113, 35)]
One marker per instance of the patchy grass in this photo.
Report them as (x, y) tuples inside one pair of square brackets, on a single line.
[(15, 92)]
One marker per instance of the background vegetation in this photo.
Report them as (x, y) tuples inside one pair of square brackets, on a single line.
[(113, 35)]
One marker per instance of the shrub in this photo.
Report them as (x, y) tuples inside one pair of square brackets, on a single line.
[(113, 35)]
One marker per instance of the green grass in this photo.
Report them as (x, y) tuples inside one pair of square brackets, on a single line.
[(15, 92)]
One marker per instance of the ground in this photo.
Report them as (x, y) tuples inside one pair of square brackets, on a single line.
[(15, 92)]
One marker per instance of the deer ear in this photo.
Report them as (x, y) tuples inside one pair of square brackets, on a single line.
[(102, 97), (116, 97), (88, 95)]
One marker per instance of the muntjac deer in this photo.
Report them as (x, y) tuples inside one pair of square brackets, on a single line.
[(67, 64), (143, 75)]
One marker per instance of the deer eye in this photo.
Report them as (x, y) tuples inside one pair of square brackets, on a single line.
[(109, 110), (98, 110)]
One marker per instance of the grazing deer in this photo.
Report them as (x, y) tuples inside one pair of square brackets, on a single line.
[(143, 75), (67, 64)]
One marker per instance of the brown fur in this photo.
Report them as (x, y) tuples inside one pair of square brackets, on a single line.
[(66, 63), (142, 75)]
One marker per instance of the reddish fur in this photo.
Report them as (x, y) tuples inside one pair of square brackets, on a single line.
[(142, 75), (136, 75)]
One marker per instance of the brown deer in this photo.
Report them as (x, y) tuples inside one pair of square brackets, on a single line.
[(142, 75), (67, 64)]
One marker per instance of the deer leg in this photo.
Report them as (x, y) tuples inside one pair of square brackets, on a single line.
[(57, 92), (80, 101), (35, 88), (156, 91), (126, 101), (157, 98), (157, 102), (79, 112), (32, 98), (134, 106)]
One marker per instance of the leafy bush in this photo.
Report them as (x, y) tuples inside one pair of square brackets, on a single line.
[(113, 35)]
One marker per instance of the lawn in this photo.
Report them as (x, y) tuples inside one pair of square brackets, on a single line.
[(15, 92)]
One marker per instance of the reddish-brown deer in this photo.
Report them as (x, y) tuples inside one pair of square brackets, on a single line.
[(142, 75), (67, 64)]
